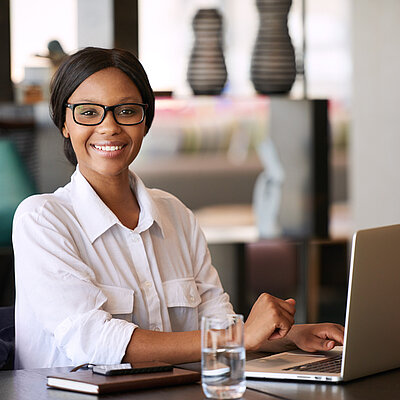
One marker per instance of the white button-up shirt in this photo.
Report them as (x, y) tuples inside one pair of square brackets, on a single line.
[(84, 281)]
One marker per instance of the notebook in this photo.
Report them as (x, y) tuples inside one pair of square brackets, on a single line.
[(372, 322), (89, 382)]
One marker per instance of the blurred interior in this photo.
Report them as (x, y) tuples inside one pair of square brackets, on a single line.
[(335, 132)]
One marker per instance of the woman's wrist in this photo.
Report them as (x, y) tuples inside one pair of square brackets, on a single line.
[(278, 345), (286, 343)]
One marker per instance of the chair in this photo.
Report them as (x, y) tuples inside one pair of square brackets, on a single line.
[(17, 124), (7, 337), (15, 185), (7, 286)]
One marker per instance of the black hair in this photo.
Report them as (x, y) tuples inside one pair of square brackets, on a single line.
[(84, 63)]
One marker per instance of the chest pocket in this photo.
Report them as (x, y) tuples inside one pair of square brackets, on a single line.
[(119, 302), (182, 298), (181, 293)]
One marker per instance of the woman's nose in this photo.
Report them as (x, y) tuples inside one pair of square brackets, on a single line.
[(109, 124)]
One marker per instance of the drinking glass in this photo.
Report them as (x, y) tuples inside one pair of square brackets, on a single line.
[(223, 357)]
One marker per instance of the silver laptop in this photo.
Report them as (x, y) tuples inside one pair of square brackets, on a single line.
[(372, 327)]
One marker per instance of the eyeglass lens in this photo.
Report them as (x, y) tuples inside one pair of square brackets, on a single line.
[(124, 114)]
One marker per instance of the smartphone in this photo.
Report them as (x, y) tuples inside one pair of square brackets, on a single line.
[(128, 368)]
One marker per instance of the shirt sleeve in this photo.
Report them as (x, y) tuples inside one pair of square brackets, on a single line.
[(54, 284), (214, 300)]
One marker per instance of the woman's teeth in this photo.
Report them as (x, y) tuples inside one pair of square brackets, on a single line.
[(107, 148)]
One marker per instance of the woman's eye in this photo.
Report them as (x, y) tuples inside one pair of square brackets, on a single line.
[(127, 111), (88, 113)]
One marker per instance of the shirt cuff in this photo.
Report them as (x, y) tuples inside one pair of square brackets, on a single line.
[(113, 341)]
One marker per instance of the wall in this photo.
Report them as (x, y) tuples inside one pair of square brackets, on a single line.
[(375, 138), (95, 23)]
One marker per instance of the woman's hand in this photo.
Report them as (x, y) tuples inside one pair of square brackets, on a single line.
[(270, 318), (316, 337)]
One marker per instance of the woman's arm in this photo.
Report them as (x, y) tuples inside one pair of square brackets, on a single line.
[(171, 347), (60, 308), (307, 337), (269, 312), (269, 319), (268, 328)]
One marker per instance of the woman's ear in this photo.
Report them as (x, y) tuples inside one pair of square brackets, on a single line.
[(65, 132)]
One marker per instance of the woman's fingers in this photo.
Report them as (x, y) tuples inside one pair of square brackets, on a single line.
[(317, 337), (291, 302), (270, 318)]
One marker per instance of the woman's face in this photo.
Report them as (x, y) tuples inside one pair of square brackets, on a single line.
[(107, 149)]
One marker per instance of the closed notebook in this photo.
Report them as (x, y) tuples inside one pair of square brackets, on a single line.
[(88, 382)]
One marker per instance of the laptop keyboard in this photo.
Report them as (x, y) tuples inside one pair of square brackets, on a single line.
[(331, 365)]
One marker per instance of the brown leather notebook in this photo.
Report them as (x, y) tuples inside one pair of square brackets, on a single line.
[(88, 382)]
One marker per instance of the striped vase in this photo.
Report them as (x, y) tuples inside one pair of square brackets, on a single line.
[(273, 63), (207, 70)]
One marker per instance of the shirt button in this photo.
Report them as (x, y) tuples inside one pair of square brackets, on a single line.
[(148, 284), (135, 239), (192, 299), (156, 328)]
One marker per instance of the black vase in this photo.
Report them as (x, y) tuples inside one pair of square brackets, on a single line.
[(207, 70), (273, 63)]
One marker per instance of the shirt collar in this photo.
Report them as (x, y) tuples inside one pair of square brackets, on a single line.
[(96, 218), (149, 212)]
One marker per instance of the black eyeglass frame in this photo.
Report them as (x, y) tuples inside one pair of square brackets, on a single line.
[(106, 109)]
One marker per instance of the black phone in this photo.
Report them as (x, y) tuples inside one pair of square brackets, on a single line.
[(128, 368)]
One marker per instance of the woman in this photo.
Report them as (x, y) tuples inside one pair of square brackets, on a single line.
[(108, 270)]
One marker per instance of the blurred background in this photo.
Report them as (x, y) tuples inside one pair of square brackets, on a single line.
[(278, 179)]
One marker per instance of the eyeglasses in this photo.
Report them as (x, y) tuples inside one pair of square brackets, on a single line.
[(90, 114)]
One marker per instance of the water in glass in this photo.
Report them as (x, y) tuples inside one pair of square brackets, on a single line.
[(223, 358)]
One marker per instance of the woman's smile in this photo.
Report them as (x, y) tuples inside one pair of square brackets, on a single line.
[(108, 149)]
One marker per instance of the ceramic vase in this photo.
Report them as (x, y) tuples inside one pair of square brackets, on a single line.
[(273, 63), (207, 70)]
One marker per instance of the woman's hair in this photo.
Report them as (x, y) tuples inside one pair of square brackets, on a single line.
[(79, 66)]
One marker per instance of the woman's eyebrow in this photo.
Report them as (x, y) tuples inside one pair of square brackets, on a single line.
[(131, 99), (85, 101), (122, 100)]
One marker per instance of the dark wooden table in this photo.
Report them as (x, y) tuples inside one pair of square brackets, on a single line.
[(31, 385), (384, 386)]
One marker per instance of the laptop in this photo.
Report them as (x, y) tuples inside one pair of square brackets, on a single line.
[(372, 325)]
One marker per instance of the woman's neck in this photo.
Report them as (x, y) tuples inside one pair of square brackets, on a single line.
[(116, 193)]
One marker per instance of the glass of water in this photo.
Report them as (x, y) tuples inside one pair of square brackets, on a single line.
[(223, 357)]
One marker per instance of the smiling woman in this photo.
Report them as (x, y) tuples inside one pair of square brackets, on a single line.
[(81, 66), (108, 270), (104, 146)]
